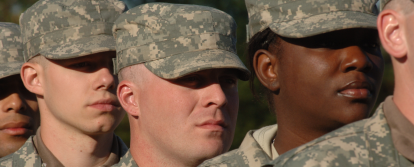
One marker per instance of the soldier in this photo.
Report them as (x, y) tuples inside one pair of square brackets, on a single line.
[(178, 72), (385, 139), (68, 46), (322, 68), (19, 115)]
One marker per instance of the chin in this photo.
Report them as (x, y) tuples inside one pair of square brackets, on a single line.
[(212, 148), (352, 115)]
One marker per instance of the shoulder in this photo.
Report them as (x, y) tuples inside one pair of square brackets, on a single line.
[(126, 161), (248, 154), (352, 145), (26, 156), (6, 161), (230, 159)]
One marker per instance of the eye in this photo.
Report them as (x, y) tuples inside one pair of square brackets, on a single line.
[(372, 45), (81, 64), (328, 44), (228, 81), (192, 81)]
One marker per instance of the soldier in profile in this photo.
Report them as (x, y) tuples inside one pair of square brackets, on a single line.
[(68, 49), (385, 139), (321, 66), (178, 72), (19, 115)]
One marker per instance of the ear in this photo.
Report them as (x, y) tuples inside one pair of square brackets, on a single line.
[(265, 65), (127, 96), (391, 33), (31, 74)]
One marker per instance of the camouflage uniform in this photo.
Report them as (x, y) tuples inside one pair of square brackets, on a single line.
[(64, 29), (367, 142), (28, 156), (297, 19), (11, 50), (252, 152), (173, 40)]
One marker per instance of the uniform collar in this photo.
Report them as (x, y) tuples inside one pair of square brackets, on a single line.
[(117, 150), (402, 130)]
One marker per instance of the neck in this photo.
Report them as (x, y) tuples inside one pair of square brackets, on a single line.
[(288, 138), (147, 154), (294, 130), (68, 144), (403, 93)]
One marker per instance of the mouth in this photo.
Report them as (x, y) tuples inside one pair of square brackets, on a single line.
[(16, 128), (357, 90), (216, 125), (105, 105)]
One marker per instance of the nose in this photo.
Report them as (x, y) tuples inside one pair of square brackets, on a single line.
[(105, 79), (12, 103), (213, 95), (355, 59)]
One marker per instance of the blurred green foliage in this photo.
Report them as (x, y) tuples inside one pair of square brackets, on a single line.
[(253, 112)]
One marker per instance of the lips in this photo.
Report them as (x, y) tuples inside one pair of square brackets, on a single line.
[(357, 90), (16, 128), (105, 105), (217, 125)]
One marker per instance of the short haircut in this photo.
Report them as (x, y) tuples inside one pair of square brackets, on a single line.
[(405, 6), (39, 59), (132, 73)]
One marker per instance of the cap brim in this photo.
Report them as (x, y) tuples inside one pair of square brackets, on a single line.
[(82, 47), (324, 23), (176, 66), (9, 69)]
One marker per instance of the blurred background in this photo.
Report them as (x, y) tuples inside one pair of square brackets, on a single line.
[(253, 112)]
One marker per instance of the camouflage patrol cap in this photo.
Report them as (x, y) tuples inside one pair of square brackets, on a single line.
[(62, 29), (11, 50), (174, 40), (304, 18)]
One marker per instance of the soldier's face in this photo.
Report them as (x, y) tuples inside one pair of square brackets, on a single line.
[(19, 116), (329, 80), (191, 118), (79, 94)]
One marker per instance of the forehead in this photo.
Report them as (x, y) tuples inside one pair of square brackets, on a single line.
[(346, 37)]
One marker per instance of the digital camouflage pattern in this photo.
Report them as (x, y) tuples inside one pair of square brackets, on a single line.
[(27, 156), (361, 144), (11, 49), (126, 161), (174, 39), (61, 29), (304, 18), (249, 154)]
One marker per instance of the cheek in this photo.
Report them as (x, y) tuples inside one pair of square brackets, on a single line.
[(232, 102), (64, 82), (167, 103)]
